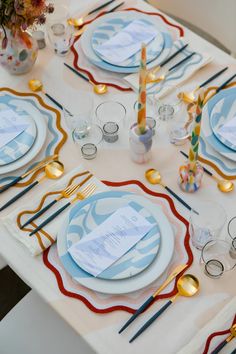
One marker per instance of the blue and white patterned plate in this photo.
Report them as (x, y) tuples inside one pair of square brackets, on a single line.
[(22, 143), (119, 286), (22, 107), (207, 133), (111, 27), (135, 260), (223, 112), (86, 40)]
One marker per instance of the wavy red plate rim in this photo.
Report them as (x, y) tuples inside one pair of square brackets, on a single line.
[(67, 293), (216, 334), (88, 73)]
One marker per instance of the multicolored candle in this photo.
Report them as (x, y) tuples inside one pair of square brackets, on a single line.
[(142, 92), (193, 152)]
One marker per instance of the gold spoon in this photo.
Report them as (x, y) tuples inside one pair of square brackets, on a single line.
[(223, 185), (189, 97), (99, 89), (154, 177), (53, 170), (151, 76), (226, 341), (187, 285)]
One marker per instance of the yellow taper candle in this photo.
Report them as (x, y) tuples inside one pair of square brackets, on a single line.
[(142, 91)]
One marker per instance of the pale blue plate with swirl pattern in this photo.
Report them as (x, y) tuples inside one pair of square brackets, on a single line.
[(139, 257), (119, 286), (121, 17), (207, 132), (111, 27), (21, 144), (223, 112)]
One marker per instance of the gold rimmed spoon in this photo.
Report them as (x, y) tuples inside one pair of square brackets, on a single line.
[(154, 177), (99, 89), (187, 285), (52, 170), (152, 78), (189, 97)]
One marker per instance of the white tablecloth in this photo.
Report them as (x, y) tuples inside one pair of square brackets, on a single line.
[(184, 320)]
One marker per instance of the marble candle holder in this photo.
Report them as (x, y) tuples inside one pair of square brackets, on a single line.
[(140, 144), (189, 180)]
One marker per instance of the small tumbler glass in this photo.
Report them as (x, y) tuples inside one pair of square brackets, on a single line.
[(110, 132), (60, 34), (217, 258), (168, 105), (206, 222)]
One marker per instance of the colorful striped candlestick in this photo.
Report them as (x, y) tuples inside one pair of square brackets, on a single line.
[(190, 175), (142, 92), (193, 152)]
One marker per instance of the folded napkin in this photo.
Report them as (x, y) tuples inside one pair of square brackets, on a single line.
[(221, 322), (177, 76), (127, 42), (228, 131), (42, 240)]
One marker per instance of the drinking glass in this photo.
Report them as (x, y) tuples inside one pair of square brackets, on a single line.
[(110, 111), (206, 222), (89, 143), (168, 105), (232, 231), (78, 109), (217, 258), (60, 34)]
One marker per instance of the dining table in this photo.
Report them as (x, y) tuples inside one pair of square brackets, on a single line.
[(184, 328)]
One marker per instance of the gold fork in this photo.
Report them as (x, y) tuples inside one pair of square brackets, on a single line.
[(85, 193), (66, 193)]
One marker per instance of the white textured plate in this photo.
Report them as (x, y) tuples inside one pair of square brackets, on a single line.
[(23, 105), (123, 286), (134, 261)]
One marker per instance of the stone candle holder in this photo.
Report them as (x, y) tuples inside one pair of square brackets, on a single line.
[(140, 144)]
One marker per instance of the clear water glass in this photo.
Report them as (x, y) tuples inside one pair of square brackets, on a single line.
[(78, 110), (217, 258), (60, 34), (207, 223), (111, 111), (232, 232)]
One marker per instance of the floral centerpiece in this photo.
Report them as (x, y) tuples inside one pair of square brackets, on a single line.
[(18, 50)]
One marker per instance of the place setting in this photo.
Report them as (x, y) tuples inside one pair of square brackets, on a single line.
[(89, 48), (32, 133)]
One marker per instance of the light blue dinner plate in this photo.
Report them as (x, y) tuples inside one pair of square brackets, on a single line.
[(21, 144), (87, 47), (118, 286), (207, 132), (223, 112), (88, 217), (111, 27)]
